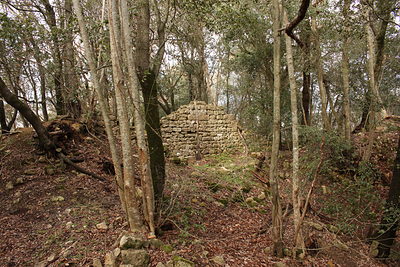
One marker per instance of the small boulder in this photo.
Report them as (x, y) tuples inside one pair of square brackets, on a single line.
[(167, 248), (9, 185), (109, 260), (137, 258), (130, 241), (102, 226), (57, 198), (29, 172), (97, 263), (19, 181), (219, 260)]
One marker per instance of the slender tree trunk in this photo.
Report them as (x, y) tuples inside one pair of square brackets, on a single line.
[(299, 240), (320, 76), (149, 86), (56, 54), (132, 211), (345, 71), (276, 205), (72, 101), (145, 161)]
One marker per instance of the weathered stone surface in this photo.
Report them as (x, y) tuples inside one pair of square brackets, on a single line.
[(198, 127), (102, 226), (219, 260), (130, 241), (97, 263), (137, 258)]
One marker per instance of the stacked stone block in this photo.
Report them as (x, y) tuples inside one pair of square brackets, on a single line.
[(200, 128)]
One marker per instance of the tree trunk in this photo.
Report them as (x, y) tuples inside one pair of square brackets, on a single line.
[(44, 141), (56, 54), (72, 101), (131, 210), (320, 75), (149, 86), (345, 71), (145, 162), (299, 240), (276, 205)]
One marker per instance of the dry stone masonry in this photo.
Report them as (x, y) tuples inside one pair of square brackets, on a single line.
[(198, 128)]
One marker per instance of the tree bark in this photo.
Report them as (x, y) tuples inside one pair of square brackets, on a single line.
[(149, 86), (131, 210), (298, 239), (51, 20), (345, 71), (44, 141), (320, 75), (276, 205), (145, 161)]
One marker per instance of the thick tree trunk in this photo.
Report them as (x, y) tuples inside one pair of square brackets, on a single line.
[(149, 86), (145, 161), (276, 204), (44, 140)]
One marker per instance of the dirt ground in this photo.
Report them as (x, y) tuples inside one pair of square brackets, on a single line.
[(214, 209)]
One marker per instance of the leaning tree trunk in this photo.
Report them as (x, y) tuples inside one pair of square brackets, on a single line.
[(44, 140), (276, 205)]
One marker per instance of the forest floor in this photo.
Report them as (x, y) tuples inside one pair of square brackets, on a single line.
[(216, 212)]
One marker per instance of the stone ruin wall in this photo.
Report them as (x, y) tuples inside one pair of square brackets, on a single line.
[(200, 128)]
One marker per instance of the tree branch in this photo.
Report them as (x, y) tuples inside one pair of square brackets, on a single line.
[(300, 16)]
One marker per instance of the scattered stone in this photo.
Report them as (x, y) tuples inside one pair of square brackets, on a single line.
[(51, 258), (340, 245), (17, 194), (49, 226), (58, 150), (16, 201), (41, 264), (195, 200), (251, 202), (42, 159), (116, 252), (287, 252), (30, 172), (160, 264), (268, 251), (49, 170), (219, 204), (69, 225), (167, 248), (130, 241), (19, 181), (102, 226), (261, 196), (9, 185), (57, 198), (109, 260), (279, 264), (316, 226), (97, 263), (219, 260), (324, 190), (178, 261), (373, 249), (137, 258), (155, 243)]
